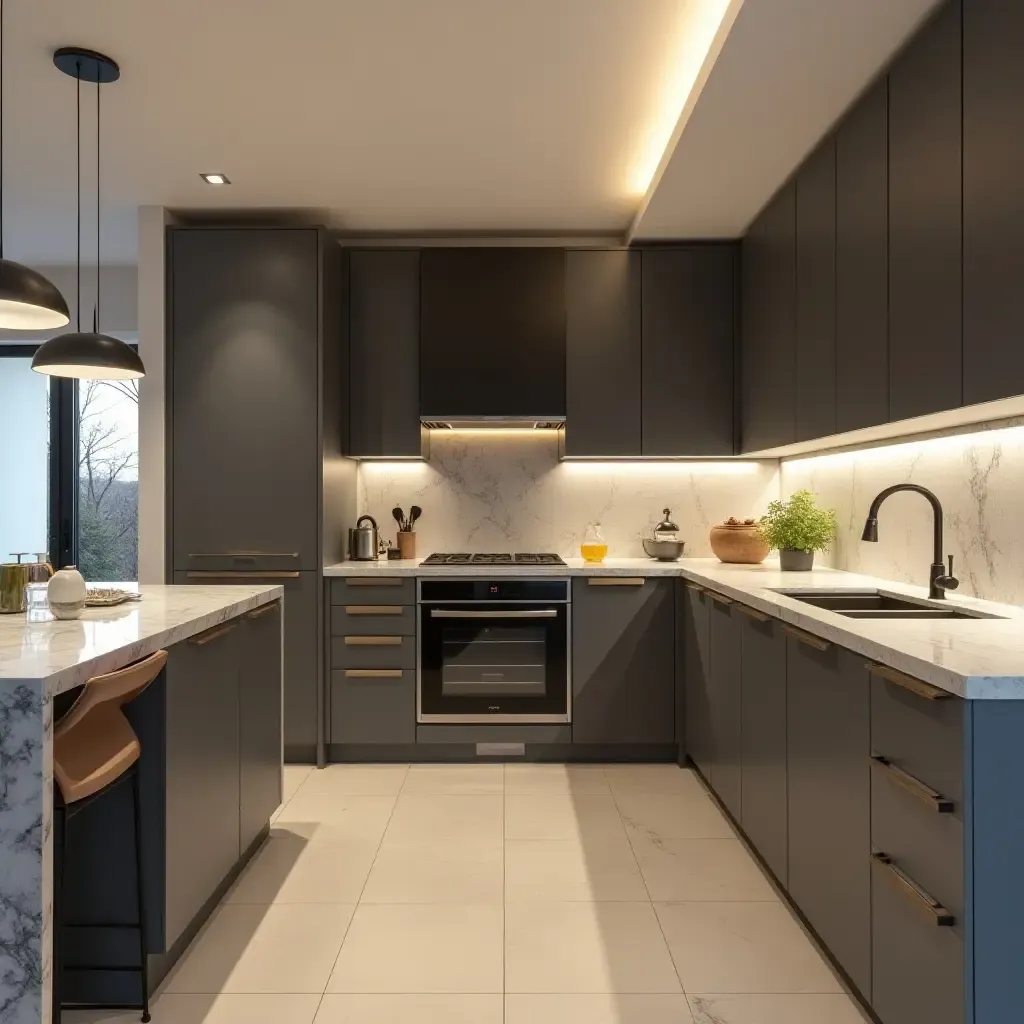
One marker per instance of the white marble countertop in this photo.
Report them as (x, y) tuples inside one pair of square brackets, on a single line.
[(977, 658), (62, 654)]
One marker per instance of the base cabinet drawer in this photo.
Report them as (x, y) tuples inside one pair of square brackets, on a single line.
[(373, 619), (369, 650), (373, 590), (373, 706)]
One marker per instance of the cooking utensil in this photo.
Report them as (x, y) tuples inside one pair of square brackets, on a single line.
[(664, 550), (414, 513), (399, 516), (362, 540)]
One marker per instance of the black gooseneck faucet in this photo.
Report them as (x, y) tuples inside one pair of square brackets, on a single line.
[(939, 581)]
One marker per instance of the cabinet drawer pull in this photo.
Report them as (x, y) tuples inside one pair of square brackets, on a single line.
[(616, 581), (936, 914), (721, 599), (373, 641), (373, 673), (244, 554), (212, 634), (374, 609), (696, 587), (264, 609), (807, 638), (241, 574), (373, 581), (753, 613), (915, 787), (916, 686)]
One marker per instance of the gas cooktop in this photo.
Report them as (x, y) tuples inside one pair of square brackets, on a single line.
[(504, 558)]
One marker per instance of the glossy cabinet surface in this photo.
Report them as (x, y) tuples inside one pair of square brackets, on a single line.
[(726, 717), (697, 677)]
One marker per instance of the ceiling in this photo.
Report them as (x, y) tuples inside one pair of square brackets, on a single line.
[(447, 116)]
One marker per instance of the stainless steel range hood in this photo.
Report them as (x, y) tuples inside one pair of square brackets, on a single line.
[(492, 422)]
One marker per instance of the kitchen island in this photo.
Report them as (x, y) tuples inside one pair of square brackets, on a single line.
[(210, 718)]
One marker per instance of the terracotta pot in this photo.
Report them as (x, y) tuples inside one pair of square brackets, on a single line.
[(740, 543)]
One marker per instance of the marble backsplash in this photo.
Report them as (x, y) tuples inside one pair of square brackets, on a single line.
[(977, 477), (508, 492)]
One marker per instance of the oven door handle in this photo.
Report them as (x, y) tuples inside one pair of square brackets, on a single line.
[(539, 613)]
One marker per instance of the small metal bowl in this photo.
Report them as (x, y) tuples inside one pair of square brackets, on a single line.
[(664, 550)]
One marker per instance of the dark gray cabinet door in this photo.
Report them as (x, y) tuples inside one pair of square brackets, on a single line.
[(602, 352), (763, 736), (243, 347), (492, 332), (373, 706), (259, 720), (623, 661), (384, 339), (689, 314), (862, 262), (816, 294), (699, 735), (925, 202), (993, 264), (726, 710), (829, 785)]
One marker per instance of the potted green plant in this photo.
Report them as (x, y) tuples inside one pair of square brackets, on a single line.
[(797, 528)]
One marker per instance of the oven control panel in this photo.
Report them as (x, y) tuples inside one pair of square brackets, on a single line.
[(494, 590)]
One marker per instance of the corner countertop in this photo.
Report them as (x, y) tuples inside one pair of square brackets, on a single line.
[(975, 658), (59, 655)]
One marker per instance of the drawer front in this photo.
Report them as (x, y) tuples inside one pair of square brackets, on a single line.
[(917, 966), (373, 590), (920, 736), (373, 619), (373, 651), (373, 706)]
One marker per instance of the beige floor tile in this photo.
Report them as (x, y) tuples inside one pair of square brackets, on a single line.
[(440, 871), (421, 948), (294, 776), (172, 1008), (775, 1009), (286, 947), (700, 869), (554, 778), (455, 780), (586, 947), (357, 780), (737, 948), (652, 778), (337, 816), (411, 1009), (288, 868), (572, 869), (608, 1008), (425, 818), (591, 816), (671, 815)]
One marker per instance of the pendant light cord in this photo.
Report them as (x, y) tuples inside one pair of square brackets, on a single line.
[(3, 39), (78, 199), (96, 314)]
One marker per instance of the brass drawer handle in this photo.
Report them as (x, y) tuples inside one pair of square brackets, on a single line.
[(374, 673), (372, 581), (915, 686), (374, 609), (935, 913), (915, 787), (265, 609), (244, 554), (807, 638), (753, 613), (616, 581), (373, 641), (721, 599), (212, 634), (241, 574)]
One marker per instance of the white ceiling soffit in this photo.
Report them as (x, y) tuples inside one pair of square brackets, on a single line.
[(784, 75)]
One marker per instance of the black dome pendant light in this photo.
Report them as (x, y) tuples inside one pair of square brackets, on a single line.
[(28, 301), (90, 355)]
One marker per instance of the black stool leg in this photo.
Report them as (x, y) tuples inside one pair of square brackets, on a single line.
[(140, 895)]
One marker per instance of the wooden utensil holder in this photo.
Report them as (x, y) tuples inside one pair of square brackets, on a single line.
[(406, 544)]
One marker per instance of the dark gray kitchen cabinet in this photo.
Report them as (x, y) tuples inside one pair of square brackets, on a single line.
[(816, 293), (726, 709), (244, 453), (696, 644), (862, 262), (259, 720), (384, 347), (925, 235), (689, 315), (623, 660), (993, 264), (763, 737), (492, 332), (602, 352), (373, 706), (829, 790)]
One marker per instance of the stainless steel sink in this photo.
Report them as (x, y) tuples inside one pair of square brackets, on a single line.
[(870, 604)]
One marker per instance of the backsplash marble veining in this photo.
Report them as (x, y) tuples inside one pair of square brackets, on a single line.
[(509, 492), (977, 477)]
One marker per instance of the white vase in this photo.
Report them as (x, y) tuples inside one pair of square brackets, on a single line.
[(65, 593)]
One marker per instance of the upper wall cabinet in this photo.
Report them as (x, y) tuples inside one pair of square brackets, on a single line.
[(993, 84), (384, 340), (492, 332), (925, 331)]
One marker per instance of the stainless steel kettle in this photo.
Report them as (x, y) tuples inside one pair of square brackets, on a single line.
[(362, 540)]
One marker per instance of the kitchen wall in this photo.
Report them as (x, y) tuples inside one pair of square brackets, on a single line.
[(977, 477), (507, 491)]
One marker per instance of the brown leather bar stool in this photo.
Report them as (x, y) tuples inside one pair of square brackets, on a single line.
[(95, 749)]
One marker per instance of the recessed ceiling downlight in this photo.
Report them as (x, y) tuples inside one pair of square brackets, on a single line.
[(214, 178)]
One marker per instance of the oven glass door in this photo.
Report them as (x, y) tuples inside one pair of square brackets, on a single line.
[(494, 660)]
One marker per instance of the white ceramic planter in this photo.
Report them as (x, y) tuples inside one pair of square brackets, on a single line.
[(65, 593)]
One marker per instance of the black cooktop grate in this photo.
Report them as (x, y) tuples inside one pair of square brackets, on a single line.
[(493, 558)]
